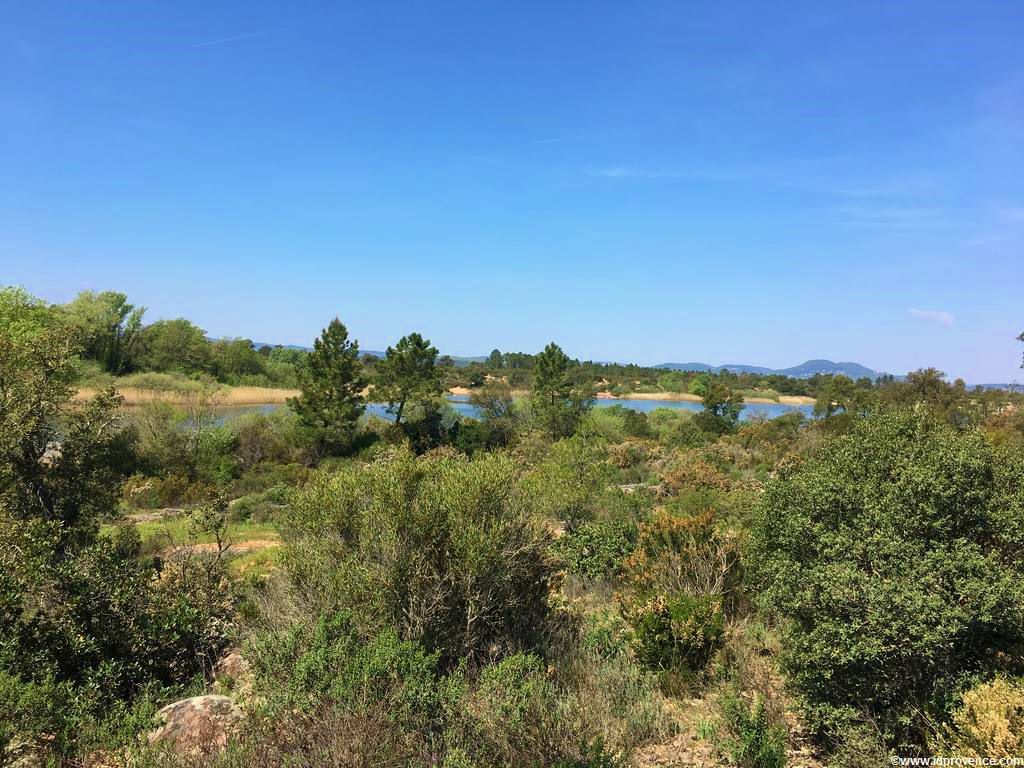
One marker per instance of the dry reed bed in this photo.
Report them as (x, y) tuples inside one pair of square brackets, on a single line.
[(225, 396)]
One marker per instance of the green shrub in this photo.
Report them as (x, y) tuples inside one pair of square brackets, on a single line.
[(596, 550), (259, 507), (895, 558), (331, 665), (517, 716), (748, 737), (677, 631), (988, 723), (567, 483), (439, 548)]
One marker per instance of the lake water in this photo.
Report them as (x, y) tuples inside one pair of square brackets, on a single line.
[(460, 403)]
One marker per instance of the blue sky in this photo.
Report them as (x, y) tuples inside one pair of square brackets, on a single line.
[(655, 181)]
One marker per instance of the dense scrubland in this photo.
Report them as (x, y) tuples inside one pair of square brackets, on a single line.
[(547, 585)]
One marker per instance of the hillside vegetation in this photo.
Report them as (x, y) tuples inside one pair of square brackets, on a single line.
[(547, 585)]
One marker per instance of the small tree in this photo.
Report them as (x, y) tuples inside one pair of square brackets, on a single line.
[(722, 408), (109, 326), (332, 388), (175, 345), (407, 374), (837, 393), (556, 404)]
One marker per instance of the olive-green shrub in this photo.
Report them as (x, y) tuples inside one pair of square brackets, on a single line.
[(895, 558), (438, 548)]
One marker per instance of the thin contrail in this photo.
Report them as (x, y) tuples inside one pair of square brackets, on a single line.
[(230, 39), (554, 141)]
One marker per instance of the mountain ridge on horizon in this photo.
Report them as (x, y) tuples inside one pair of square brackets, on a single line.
[(805, 370)]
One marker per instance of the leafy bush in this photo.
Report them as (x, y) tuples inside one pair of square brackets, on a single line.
[(332, 665), (568, 482), (677, 631), (895, 558), (748, 737), (988, 723), (107, 631), (439, 548), (596, 550), (516, 716), (259, 507)]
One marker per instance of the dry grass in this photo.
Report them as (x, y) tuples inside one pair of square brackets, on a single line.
[(225, 396)]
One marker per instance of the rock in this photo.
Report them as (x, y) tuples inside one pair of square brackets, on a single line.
[(231, 676), (232, 666), (26, 751), (197, 726)]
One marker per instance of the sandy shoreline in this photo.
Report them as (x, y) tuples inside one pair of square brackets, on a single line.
[(225, 396), (270, 396)]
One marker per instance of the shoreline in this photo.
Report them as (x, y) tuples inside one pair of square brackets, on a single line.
[(686, 397), (277, 396), (221, 396)]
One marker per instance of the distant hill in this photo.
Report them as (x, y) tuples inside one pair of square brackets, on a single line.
[(802, 371)]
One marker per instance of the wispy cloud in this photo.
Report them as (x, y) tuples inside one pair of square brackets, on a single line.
[(933, 315), (1014, 215), (630, 172), (231, 39), (556, 140), (893, 217)]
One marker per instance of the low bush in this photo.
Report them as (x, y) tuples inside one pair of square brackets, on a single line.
[(259, 507), (748, 736), (989, 723), (567, 483), (893, 557), (677, 631), (517, 716), (596, 550), (331, 665), (439, 548)]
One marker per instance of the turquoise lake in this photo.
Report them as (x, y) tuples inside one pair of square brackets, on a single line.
[(460, 403)]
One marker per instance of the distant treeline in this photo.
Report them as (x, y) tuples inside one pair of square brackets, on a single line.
[(117, 342)]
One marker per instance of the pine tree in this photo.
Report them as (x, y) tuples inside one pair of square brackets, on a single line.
[(408, 373), (557, 405), (332, 389)]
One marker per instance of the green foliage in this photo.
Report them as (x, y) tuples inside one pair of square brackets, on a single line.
[(517, 716), (568, 483), (235, 359), (332, 390), (331, 663), (722, 408), (85, 626), (441, 549), (499, 418), (894, 557), (108, 326), (676, 429), (749, 737), (175, 345), (186, 443), (677, 631), (407, 374), (556, 404), (596, 550)]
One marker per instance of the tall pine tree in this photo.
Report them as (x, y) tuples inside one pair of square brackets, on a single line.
[(332, 386)]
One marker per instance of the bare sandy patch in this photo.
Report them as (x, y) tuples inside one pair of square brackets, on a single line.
[(225, 396)]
